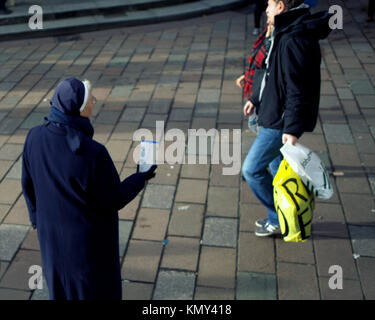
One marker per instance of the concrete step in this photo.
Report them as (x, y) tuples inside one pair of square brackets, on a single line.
[(85, 8), (99, 20)]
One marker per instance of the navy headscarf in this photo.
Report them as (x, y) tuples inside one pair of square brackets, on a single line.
[(65, 111)]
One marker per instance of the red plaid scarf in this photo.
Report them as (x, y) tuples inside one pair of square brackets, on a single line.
[(256, 58)]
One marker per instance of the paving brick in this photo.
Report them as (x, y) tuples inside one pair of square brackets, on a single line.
[(133, 114), (142, 260), (361, 87), (335, 251), (125, 228), (249, 213), (351, 290), (5, 165), (192, 191), (149, 121), (102, 132), (220, 232), (365, 143), (357, 208), (256, 286), (11, 238), (217, 267), (184, 101), (366, 267), (11, 294), (338, 133), (344, 93), (124, 131), (166, 174), (300, 252), (130, 210), (195, 170), (211, 293), (329, 102), (180, 114), (17, 276), (34, 119), (173, 259), (368, 161), (352, 182), (363, 240), (10, 151), (4, 208), (365, 101), (327, 88), (122, 91), (206, 110), (256, 254), (344, 156), (16, 171), (186, 220), (351, 107), (107, 117), (136, 291), (176, 285), (222, 202), (3, 267), (31, 241), (329, 221), (158, 196), (297, 282), (219, 179), (118, 150), (3, 138), (332, 116), (19, 213), (246, 194), (151, 224), (9, 191)]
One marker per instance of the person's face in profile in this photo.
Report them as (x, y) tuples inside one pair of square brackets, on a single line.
[(274, 8), (87, 112)]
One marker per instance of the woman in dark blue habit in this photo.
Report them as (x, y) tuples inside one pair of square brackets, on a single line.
[(73, 192)]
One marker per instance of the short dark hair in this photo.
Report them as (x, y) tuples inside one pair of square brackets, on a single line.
[(290, 4)]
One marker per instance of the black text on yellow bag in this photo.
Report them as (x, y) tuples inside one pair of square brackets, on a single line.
[(294, 204)]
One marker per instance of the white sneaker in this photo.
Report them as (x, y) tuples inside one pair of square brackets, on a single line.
[(267, 230)]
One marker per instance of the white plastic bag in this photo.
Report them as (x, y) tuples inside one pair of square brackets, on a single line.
[(310, 169)]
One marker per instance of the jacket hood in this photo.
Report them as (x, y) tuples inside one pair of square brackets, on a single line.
[(300, 19), (69, 96)]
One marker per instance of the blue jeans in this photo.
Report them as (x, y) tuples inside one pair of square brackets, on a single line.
[(265, 152)]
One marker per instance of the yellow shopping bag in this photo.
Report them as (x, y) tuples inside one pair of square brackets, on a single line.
[(294, 204)]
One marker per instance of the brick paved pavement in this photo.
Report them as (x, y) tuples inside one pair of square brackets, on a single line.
[(190, 233)]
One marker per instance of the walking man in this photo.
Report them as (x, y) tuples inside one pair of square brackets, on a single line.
[(289, 96)]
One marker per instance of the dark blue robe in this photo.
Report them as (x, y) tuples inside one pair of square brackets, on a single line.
[(73, 199)]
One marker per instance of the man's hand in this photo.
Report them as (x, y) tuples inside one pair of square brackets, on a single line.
[(288, 137), (239, 81), (248, 108)]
